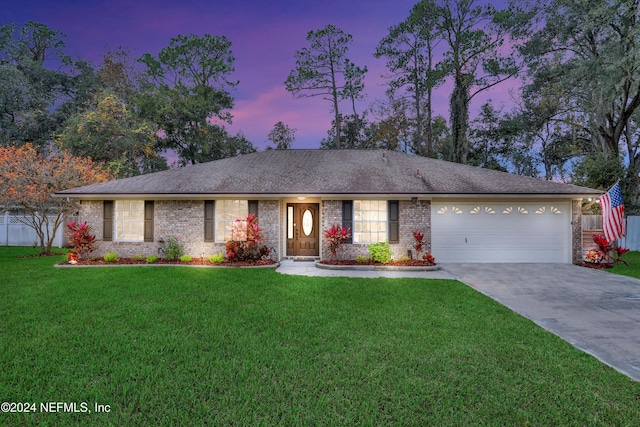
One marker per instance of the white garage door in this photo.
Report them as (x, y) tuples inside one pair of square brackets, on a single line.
[(501, 232)]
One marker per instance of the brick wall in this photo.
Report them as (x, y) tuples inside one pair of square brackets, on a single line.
[(413, 216), (576, 230), (176, 218)]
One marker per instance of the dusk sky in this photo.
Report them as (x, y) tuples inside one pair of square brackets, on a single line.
[(265, 35)]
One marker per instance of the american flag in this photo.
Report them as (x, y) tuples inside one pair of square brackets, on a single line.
[(613, 213)]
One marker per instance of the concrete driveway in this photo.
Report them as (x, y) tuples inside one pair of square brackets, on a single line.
[(596, 311)]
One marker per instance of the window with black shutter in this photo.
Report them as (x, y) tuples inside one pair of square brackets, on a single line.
[(394, 221), (209, 217), (107, 220), (253, 207), (347, 217), (148, 221)]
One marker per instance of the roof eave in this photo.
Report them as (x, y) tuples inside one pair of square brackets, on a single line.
[(345, 195)]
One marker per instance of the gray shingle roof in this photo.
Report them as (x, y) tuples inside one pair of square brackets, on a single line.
[(328, 172)]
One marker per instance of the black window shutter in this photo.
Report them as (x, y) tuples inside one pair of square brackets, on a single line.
[(107, 220), (253, 207), (209, 212), (394, 221), (347, 217), (148, 221)]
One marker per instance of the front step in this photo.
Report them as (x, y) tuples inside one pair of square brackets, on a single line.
[(302, 259)]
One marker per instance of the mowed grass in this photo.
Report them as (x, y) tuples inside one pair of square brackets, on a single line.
[(193, 346), (633, 269)]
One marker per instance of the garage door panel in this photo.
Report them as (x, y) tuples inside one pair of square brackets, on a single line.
[(501, 232)]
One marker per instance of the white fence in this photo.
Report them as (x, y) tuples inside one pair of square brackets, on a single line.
[(15, 233), (631, 241)]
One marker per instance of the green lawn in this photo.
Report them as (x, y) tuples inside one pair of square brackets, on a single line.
[(192, 346), (633, 270)]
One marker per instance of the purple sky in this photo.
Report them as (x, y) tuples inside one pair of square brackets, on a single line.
[(265, 35)]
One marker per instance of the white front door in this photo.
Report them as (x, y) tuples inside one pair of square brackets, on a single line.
[(501, 232)]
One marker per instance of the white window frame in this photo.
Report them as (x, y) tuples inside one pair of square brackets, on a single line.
[(227, 211), (370, 221), (128, 221)]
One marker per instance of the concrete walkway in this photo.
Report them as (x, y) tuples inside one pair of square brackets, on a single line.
[(596, 311), (307, 268)]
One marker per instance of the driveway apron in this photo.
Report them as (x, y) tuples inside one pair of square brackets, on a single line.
[(596, 311)]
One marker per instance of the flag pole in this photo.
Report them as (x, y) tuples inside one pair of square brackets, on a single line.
[(614, 184)]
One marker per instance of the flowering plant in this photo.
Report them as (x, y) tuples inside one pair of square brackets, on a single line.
[(429, 258), (335, 237), (594, 256)]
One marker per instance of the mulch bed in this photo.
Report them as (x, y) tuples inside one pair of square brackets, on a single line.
[(407, 263), (594, 265), (194, 261)]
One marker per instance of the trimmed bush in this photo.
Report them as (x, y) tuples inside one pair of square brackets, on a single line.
[(152, 259), (111, 257), (380, 252), (186, 258), (217, 258), (173, 248)]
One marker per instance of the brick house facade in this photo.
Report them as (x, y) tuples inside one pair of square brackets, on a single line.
[(465, 212)]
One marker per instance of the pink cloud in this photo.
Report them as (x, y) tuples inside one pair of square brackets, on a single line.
[(256, 116)]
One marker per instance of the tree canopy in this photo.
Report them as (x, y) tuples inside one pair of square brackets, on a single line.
[(188, 97), (324, 70), (575, 115), (28, 180)]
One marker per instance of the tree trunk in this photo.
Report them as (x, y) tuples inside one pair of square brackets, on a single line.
[(429, 129), (334, 93), (460, 119), (418, 142)]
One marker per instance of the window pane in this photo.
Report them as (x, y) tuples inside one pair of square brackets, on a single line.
[(129, 220), (227, 211), (370, 221), (289, 222)]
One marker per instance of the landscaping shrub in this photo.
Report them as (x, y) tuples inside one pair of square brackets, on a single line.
[(111, 257), (245, 251), (173, 248), (335, 237), (361, 259), (152, 259), (186, 258), (418, 242), (380, 252), (137, 257), (428, 257), (217, 258), (81, 238), (606, 252), (246, 235)]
